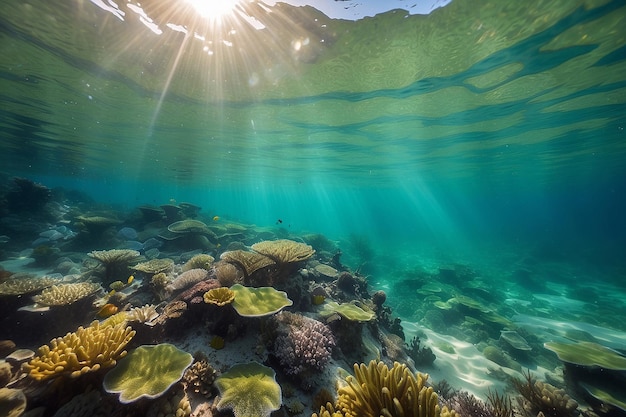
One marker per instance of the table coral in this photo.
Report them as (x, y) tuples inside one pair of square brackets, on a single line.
[(347, 310), (284, 250), (147, 372), (65, 294), (19, 284), (249, 262), (201, 260), (154, 266), (249, 390), (376, 390), (88, 349)]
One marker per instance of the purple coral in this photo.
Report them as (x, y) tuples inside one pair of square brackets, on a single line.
[(304, 344)]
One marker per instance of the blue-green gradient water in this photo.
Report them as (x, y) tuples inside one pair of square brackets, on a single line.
[(485, 134)]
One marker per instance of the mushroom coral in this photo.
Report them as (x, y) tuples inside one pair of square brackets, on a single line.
[(249, 390), (376, 390), (147, 372), (88, 349)]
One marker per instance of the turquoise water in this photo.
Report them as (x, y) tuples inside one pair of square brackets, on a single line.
[(484, 136)]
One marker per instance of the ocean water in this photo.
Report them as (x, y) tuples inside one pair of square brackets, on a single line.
[(477, 150)]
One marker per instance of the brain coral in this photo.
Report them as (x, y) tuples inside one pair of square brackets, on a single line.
[(86, 350), (304, 344), (147, 372)]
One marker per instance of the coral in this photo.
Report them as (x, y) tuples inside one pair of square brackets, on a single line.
[(5, 373), (195, 294), (421, 355), (199, 377), (154, 266), (468, 405), (376, 390), (588, 354), (86, 350), (189, 226), (249, 390), (145, 314), (542, 397), (201, 260), (349, 311), (115, 261), (257, 302), (514, 340), (19, 284), (227, 274), (500, 405), (171, 310), (12, 402), (174, 404), (303, 344), (284, 250), (326, 270), (219, 296), (379, 298), (64, 294), (249, 262), (147, 372), (187, 279), (609, 397)]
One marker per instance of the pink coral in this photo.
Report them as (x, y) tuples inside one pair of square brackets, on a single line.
[(303, 344)]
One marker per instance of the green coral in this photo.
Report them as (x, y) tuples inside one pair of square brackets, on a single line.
[(588, 354), (147, 372), (258, 302), (249, 390), (347, 310)]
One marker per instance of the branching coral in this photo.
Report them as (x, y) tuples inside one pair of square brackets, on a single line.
[(64, 294), (86, 350), (542, 397), (303, 344), (376, 390)]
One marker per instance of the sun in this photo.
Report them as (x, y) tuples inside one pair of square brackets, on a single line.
[(213, 9)]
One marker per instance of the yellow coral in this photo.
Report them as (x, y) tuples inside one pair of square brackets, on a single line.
[(19, 284), (376, 390), (64, 294), (86, 350), (219, 296)]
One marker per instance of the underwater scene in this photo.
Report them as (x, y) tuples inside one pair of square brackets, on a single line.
[(320, 208)]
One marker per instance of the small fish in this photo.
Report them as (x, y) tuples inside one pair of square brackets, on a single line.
[(279, 221), (130, 280), (106, 311), (216, 218)]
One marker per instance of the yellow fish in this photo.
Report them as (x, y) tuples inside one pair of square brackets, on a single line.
[(107, 310), (216, 218), (130, 280)]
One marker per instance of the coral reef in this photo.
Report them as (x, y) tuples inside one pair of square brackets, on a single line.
[(88, 349), (249, 390), (147, 372), (64, 294), (258, 302), (303, 344), (376, 390)]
